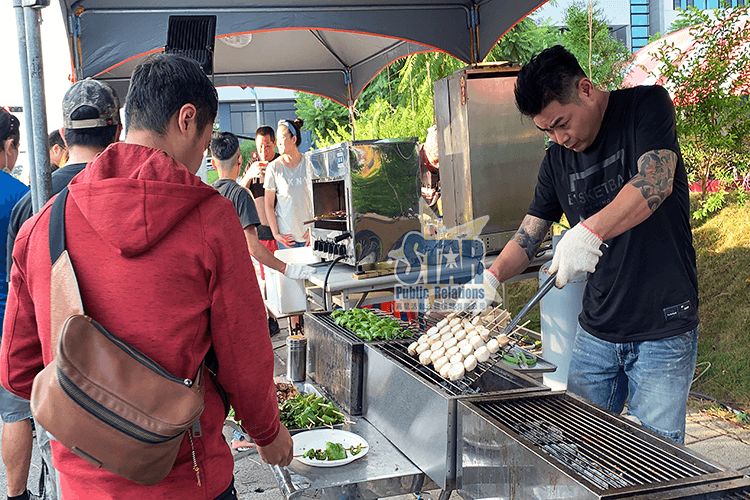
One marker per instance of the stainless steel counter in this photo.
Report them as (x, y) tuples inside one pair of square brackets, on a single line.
[(384, 471)]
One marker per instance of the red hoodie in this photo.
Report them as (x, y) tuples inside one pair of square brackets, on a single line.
[(161, 261)]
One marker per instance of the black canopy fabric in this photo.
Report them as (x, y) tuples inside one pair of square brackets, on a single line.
[(330, 48)]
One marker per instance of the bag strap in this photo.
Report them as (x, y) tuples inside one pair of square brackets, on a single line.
[(65, 296), (57, 226)]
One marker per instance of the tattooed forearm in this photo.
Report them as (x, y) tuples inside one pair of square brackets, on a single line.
[(531, 233), (655, 176)]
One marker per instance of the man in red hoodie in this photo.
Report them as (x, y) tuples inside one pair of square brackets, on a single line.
[(161, 261)]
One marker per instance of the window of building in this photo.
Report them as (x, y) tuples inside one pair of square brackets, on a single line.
[(706, 4), (639, 14)]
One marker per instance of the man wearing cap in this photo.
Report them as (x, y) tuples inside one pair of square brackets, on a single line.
[(91, 122), (17, 439)]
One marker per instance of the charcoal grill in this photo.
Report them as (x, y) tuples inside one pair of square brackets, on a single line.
[(556, 445), (416, 409), (335, 358)]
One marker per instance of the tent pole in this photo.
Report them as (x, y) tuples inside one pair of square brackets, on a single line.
[(349, 97), (351, 118), (23, 58), (43, 181)]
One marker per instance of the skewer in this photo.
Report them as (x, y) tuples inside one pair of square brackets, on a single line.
[(345, 449)]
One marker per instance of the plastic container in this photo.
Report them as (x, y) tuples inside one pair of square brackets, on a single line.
[(296, 358), (559, 317), (285, 295)]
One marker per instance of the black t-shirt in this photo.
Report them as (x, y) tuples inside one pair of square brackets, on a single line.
[(256, 188), (24, 210), (241, 199), (645, 286)]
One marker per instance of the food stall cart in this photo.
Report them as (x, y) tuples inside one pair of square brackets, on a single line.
[(495, 433)]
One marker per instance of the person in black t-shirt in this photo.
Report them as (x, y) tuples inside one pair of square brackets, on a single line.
[(265, 142), (615, 170)]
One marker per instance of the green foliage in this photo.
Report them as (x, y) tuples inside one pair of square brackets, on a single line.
[(525, 40), (608, 58), (321, 115), (711, 204), (247, 148), (713, 117)]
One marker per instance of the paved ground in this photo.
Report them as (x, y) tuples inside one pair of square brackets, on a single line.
[(718, 440)]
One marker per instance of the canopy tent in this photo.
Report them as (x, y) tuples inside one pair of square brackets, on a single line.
[(328, 48)]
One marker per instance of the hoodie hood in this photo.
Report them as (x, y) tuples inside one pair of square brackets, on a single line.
[(133, 195)]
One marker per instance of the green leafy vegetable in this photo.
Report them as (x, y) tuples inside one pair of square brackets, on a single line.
[(307, 411), (369, 326), (335, 451)]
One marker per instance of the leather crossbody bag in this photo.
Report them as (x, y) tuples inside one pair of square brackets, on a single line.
[(107, 402)]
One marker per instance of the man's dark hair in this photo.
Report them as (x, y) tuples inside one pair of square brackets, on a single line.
[(161, 85), (9, 128), (99, 137), (55, 139), (552, 75), (224, 145), (266, 131)]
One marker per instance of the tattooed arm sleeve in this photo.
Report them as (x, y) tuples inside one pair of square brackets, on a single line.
[(655, 176), (639, 197), (531, 233)]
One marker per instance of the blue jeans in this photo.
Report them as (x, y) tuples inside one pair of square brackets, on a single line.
[(655, 374), (297, 244)]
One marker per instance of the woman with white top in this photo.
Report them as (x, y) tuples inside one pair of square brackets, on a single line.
[(286, 181)]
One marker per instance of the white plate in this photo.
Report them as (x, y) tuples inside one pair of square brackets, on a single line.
[(317, 440)]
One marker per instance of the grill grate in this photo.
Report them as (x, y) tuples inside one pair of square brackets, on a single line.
[(604, 454)]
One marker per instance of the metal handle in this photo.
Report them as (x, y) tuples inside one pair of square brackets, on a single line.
[(546, 287), (286, 486)]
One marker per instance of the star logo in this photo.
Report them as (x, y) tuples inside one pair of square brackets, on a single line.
[(451, 259)]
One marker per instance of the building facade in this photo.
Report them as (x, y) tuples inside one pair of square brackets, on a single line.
[(633, 21), (243, 109)]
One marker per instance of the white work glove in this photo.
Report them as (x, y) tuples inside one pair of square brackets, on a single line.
[(489, 283), (298, 271), (577, 252)]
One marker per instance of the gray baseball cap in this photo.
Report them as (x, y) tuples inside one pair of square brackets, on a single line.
[(100, 96)]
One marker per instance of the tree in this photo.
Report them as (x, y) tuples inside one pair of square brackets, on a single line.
[(710, 83), (525, 40), (603, 58)]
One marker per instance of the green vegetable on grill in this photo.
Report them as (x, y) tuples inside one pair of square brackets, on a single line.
[(307, 411), (369, 326)]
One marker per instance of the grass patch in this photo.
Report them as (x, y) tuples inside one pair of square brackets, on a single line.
[(722, 246), (518, 294), (211, 176)]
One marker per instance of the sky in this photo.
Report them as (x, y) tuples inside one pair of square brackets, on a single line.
[(55, 58)]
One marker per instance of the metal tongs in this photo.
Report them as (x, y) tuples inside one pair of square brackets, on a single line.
[(546, 287)]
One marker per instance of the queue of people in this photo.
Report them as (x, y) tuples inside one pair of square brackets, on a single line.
[(164, 260)]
